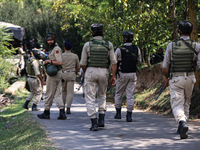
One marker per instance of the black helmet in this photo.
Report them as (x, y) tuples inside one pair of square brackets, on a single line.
[(186, 27), (36, 53), (97, 27), (51, 69), (51, 36), (128, 35)]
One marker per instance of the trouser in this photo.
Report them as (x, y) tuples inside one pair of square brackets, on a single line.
[(53, 91), (96, 81), (35, 90), (68, 88), (126, 82), (181, 88)]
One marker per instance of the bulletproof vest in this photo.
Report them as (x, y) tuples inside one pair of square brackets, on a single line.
[(99, 54), (182, 56), (129, 59), (29, 66)]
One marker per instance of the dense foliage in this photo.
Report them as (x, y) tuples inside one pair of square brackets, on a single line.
[(5, 39), (152, 22)]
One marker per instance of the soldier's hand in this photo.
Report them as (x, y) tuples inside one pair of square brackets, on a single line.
[(166, 82), (43, 83), (113, 80), (47, 62), (20, 65)]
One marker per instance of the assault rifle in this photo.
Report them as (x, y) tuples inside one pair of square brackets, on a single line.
[(162, 88), (81, 83)]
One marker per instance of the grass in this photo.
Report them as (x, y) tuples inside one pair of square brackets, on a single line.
[(18, 130), (146, 100)]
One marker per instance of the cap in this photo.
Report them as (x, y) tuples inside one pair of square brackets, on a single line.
[(68, 45)]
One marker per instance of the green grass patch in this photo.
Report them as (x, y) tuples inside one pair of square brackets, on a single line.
[(18, 129), (146, 100)]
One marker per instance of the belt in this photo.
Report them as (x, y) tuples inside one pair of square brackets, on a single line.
[(176, 74), (67, 71), (32, 77)]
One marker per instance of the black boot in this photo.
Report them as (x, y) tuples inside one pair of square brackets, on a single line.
[(101, 120), (118, 113), (44, 115), (68, 111), (62, 115), (94, 126), (34, 107), (183, 130), (178, 130), (26, 105), (129, 116)]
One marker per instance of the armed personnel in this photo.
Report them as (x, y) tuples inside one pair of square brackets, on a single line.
[(97, 55), (35, 80), (54, 77), (128, 57), (70, 68), (178, 68)]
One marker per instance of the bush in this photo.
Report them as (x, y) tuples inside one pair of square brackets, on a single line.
[(7, 71)]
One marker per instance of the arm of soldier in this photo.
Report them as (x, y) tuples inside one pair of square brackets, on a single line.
[(37, 71), (84, 57), (113, 62), (21, 59), (57, 53), (166, 74), (113, 78), (41, 79), (77, 65), (55, 62), (166, 64)]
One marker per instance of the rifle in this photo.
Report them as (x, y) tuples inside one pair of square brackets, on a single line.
[(162, 88), (81, 83)]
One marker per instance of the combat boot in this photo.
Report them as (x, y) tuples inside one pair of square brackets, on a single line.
[(178, 130), (44, 115), (26, 105), (118, 113), (94, 126), (62, 115), (68, 111), (34, 107), (101, 120), (183, 130), (129, 116)]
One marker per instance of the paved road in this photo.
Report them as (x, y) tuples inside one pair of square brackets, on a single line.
[(146, 132)]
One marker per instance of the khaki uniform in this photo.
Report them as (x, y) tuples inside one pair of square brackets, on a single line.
[(96, 78), (126, 82), (35, 84), (70, 64), (54, 83), (181, 85)]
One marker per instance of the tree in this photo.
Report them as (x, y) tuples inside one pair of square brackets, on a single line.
[(5, 39)]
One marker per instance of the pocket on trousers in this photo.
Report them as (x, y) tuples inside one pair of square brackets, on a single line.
[(174, 80), (88, 74), (194, 80)]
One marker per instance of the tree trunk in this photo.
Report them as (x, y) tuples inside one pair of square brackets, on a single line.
[(194, 35), (173, 13), (149, 57), (193, 19)]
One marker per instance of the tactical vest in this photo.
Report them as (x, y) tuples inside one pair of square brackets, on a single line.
[(99, 54), (182, 56), (30, 69), (129, 56)]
